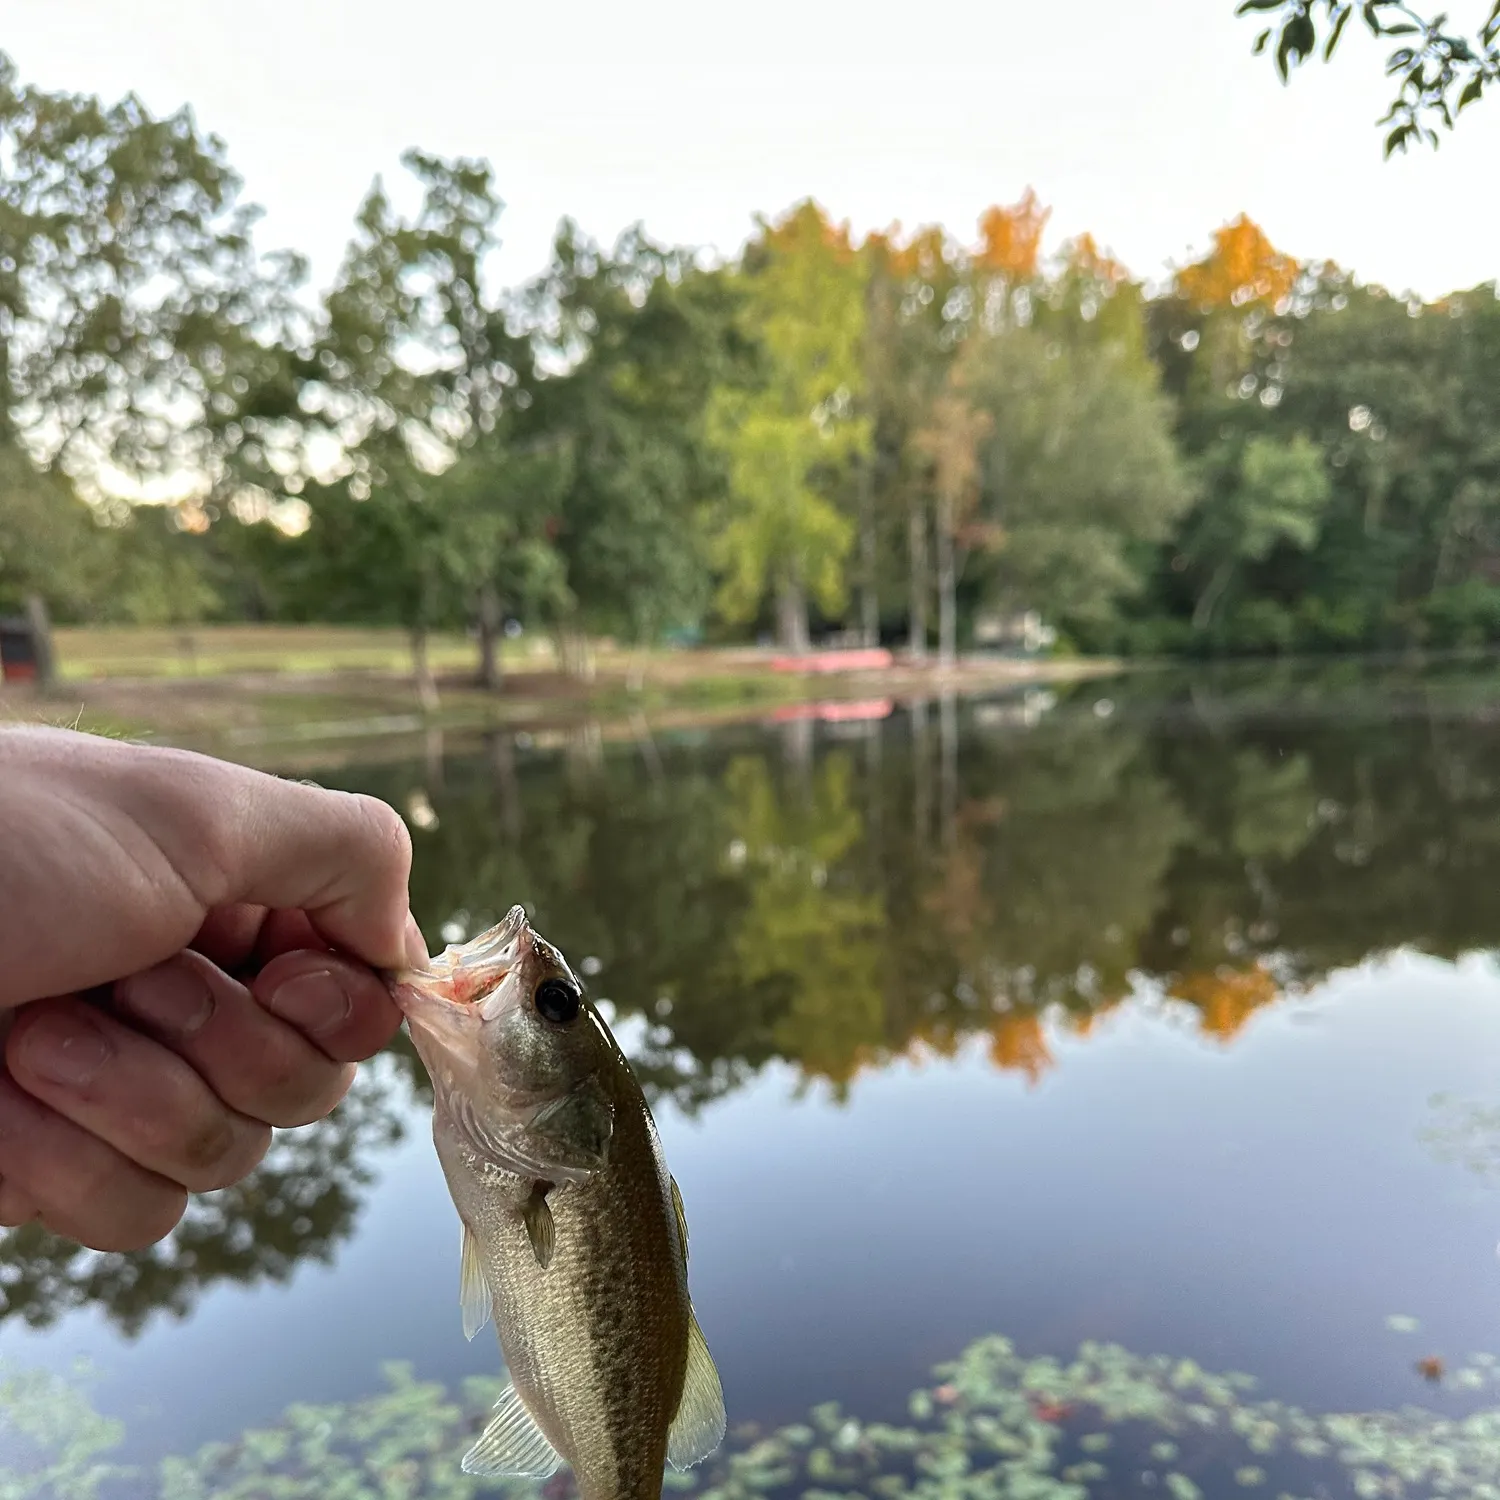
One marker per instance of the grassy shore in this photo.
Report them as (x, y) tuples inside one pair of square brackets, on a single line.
[(281, 695)]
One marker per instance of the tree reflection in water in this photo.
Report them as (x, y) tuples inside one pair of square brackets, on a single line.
[(301, 1204), (872, 890)]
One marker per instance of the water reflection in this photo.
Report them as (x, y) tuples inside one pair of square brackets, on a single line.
[(839, 895), (300, 1205)]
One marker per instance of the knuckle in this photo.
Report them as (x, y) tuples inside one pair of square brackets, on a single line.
[(220, 1151), (387, 828)]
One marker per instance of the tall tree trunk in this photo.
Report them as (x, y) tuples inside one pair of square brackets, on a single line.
[(507, 787), (947, 579), (421, 671), (916, 547), (948, 782), (791, 614), (874, 787), (432, 748), (1208, 600), (487, 617), (41, 642), (921, 771), (575, 654), (797, 756), (869, 598)]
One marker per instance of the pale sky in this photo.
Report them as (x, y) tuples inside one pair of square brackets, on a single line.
[(1146, 122)]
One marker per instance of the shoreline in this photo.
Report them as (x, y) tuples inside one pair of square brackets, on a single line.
[(282, 720)]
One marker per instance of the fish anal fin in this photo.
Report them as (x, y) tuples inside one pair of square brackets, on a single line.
[(540, 1229), (698, 1427), (681, 1213), (512, 1443), (473, 1290)]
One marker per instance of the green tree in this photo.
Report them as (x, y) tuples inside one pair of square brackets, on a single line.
[(416, 371), (50, 545), (790, 439), (914, 286), (951, 443), (1276, 498), (1079, 470), (143, 342), (635, 339)]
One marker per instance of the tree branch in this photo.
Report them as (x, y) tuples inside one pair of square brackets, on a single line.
[(1441, 72)]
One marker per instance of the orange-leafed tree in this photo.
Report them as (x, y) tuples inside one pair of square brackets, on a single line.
[(1018, 1043), (1220, 325), (1244, 269), (1005, 260), (1010, 239), (1226, 997)]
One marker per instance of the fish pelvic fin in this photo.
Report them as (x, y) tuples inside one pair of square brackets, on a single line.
[(512, 1443), (698, 1427), (473, 1289)]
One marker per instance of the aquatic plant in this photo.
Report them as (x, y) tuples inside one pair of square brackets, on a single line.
[(52, 1441), (995, 1424)]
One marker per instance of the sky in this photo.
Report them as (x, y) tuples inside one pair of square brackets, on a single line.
[(1146, 122)]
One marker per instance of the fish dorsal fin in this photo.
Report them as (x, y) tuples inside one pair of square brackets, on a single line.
[(512, 1443), (698, 1427), (473, 1289), (681, 1213)]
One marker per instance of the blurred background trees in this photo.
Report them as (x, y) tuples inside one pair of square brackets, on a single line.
[(902, 437)]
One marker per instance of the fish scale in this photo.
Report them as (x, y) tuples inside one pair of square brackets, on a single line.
[(607, 1369)]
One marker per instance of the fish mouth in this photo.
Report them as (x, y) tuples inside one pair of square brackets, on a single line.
[(442, 1002), (465, 972)]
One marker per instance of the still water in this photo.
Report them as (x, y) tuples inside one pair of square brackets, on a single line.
[(1164, 1016)]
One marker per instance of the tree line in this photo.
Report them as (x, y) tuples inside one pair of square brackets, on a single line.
[(903, 437)]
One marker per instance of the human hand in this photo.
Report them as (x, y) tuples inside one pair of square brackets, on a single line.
[(189, 954)]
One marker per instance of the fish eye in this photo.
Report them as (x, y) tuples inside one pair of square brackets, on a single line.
[(557, 1001)]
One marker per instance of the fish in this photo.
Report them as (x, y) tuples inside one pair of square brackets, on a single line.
[(573, 1235)]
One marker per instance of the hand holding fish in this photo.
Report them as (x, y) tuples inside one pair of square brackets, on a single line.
[(190, 954)]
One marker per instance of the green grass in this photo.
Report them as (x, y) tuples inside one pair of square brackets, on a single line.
[(87, 652)]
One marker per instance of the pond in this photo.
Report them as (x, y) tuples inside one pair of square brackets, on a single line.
[(1159, 1021)]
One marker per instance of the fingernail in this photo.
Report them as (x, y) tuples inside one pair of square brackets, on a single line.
[(314, 1002), (68, 1051), (170, 996), (417, 955)]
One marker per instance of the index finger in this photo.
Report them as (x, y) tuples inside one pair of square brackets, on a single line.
[(341, 857), (120, 851)]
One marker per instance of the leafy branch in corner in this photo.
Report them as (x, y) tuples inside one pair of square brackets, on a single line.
[(1441, 73)]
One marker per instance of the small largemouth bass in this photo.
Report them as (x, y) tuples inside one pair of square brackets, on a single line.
[(573, 1232)]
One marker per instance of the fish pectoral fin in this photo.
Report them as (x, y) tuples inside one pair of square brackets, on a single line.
[(681, 1213), (698, 1427), (512, 1443), (540, 1229), (473, 1290)]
